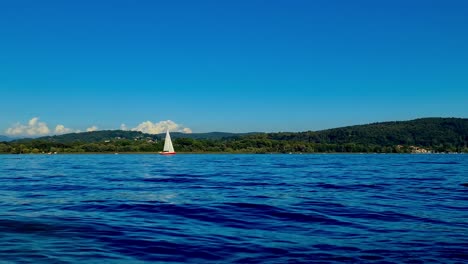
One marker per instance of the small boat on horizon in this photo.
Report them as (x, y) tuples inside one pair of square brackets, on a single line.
[(168, 147)]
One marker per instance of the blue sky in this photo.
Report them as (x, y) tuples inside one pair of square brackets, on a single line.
[(231, 65)]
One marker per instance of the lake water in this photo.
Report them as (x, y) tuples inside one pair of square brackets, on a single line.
[(233, 208)]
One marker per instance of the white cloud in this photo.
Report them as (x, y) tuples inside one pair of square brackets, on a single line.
[(92, 129), (33, 128), (161, 127), (61, 129)]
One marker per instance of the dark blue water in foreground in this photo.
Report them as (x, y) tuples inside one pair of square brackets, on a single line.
[(233, 208)]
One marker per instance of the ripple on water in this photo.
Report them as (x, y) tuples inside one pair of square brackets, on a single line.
[(233, 209)]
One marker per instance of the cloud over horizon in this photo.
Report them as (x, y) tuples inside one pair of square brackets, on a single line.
[(35, 128), (61, 129), (161, 127), (92, 129)]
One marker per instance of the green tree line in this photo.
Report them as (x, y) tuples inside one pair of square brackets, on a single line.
[(431, 134), (250, 144)]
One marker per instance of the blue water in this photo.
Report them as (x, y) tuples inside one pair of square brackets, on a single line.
[(233, 208)]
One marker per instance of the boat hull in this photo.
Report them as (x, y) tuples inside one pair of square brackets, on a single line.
[(167, 153)]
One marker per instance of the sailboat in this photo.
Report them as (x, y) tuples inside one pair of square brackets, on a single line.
[(168, 148)]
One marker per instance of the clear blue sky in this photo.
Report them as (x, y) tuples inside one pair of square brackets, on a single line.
[(232, 65)]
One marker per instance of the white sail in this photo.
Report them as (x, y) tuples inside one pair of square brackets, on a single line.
[(168, 143)]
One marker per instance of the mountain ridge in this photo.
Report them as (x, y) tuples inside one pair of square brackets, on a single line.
[(423, 135), (5, 138), (101, 135)]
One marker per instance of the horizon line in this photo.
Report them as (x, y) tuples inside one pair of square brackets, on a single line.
[(224, 132)]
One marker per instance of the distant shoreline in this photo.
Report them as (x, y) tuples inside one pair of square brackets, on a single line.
[(231, 153), (428, 135)]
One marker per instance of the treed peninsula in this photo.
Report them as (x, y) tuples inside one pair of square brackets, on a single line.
[(425, 135)]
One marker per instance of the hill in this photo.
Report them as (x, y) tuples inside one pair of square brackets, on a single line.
[(92, 137), (420, 135), (210, 135), (421, 132), (112, 135), (4, 138)]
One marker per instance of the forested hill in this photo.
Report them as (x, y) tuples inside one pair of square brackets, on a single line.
[(210, 135), (111, 135), (420, 135), (92, 137), (418, 132)]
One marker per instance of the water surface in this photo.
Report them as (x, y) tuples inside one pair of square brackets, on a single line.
[(233, 208)]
